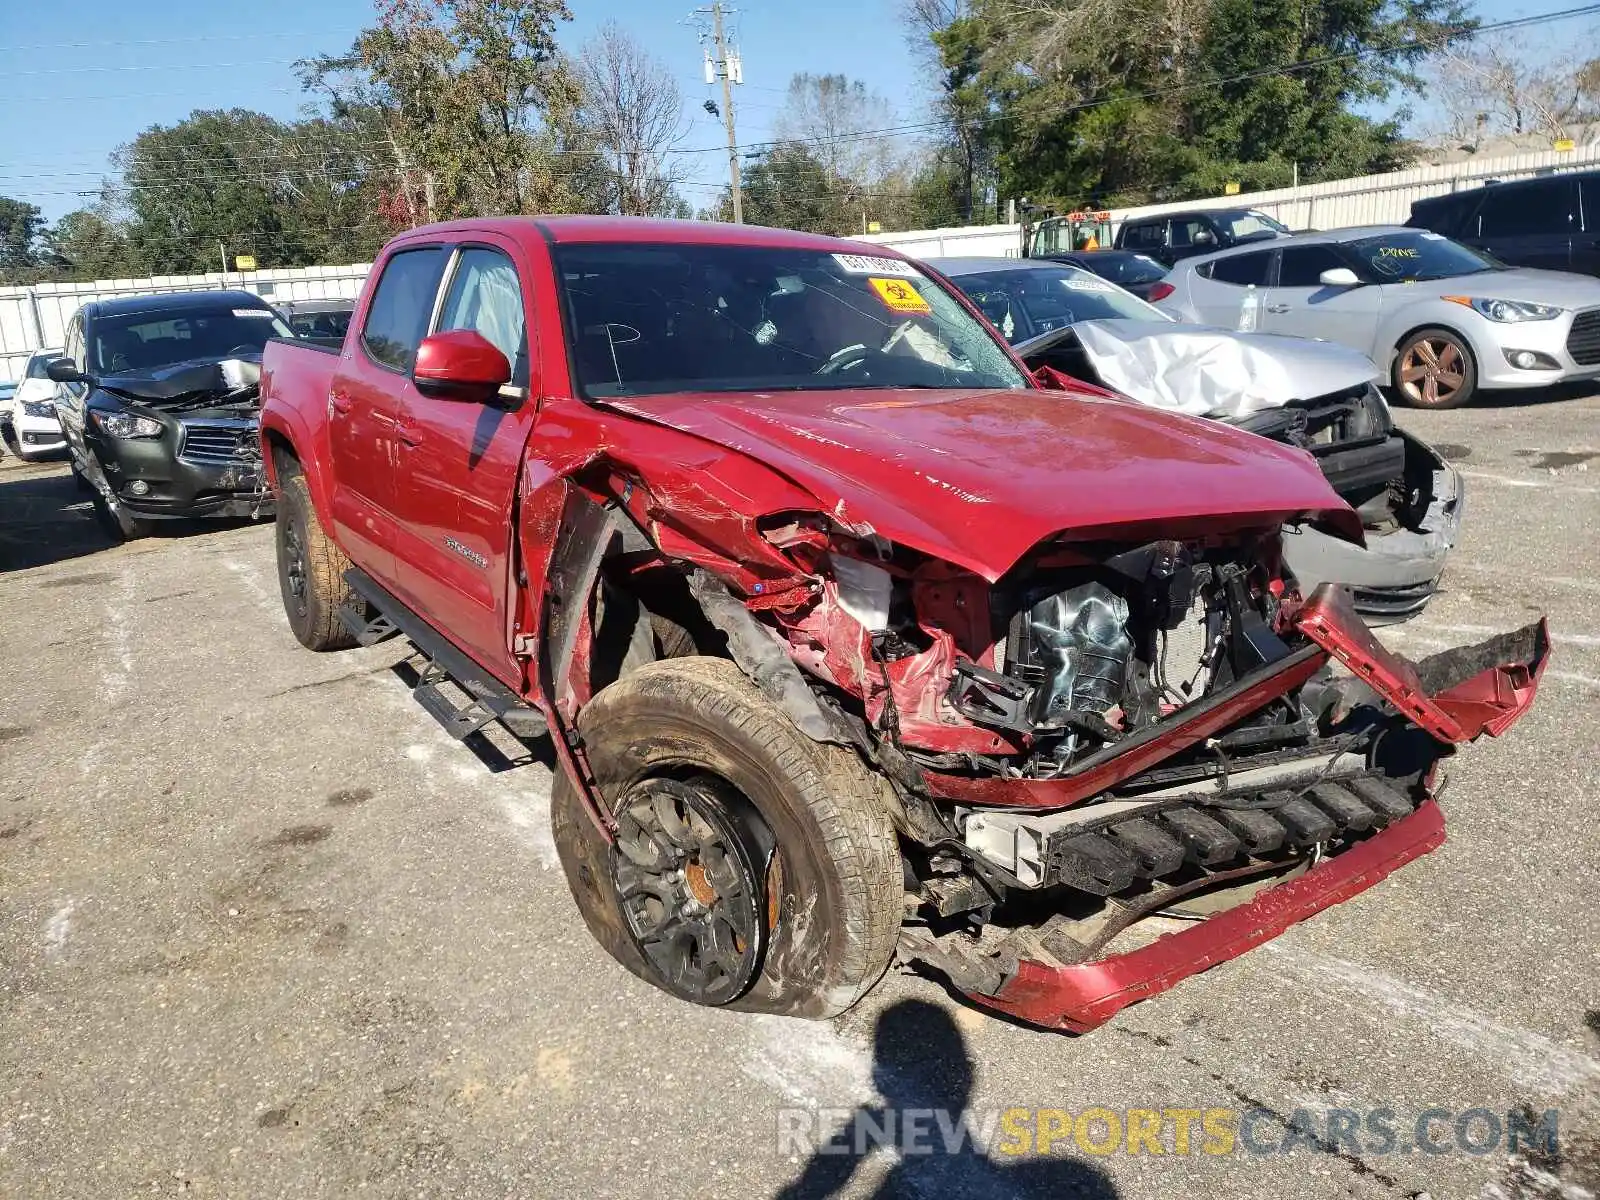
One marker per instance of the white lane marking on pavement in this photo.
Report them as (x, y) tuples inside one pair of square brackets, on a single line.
[(116, 673), (523, 799), (1527, 1058), (809, 1062), (1565, 581), (1530, 1183), (246, 574), (56, 931), (1528, 483), (1433, 643), (1559, 637)]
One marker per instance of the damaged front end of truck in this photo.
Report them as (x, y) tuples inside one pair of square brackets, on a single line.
[(1112, 759), (1113, 736)]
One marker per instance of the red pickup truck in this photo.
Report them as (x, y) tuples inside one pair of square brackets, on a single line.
[(852, 639)]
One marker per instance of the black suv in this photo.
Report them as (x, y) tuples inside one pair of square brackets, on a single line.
[(1171, 236), (159, 400), (1549, 221)]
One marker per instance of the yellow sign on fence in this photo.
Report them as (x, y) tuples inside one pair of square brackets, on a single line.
[(244, 262)]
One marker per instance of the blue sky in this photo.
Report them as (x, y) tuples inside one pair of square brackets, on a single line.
[(85, 76)]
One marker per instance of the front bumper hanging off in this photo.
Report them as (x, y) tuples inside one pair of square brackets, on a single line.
[(1454, 696)]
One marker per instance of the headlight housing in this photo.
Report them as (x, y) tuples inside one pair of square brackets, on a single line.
[(1508, 312), (39, 408), (127, 425)]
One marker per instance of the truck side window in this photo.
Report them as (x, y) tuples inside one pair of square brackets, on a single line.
[(485, 296), (401, 307), (1546, 206), (1142, 237)]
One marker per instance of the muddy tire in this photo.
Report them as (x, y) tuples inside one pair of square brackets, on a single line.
[(310, 569), (828, 867), (1434, 368)]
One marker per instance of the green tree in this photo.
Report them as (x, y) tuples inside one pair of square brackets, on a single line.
[(21, 227), (241, 182), (89, 244), (480, 110), (1139, 100), (791, 188)]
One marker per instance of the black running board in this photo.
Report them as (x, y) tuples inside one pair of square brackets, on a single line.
[(491, 700)]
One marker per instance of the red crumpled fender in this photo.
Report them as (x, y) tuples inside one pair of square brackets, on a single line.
[(1444, 694)]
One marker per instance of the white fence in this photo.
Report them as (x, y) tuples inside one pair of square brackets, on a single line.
[(1364, 200), (32, 318)]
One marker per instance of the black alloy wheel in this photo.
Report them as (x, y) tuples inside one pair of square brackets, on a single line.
[(688, 872)]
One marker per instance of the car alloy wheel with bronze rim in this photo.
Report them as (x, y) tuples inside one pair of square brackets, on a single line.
[(687, 868), (1434, 369)]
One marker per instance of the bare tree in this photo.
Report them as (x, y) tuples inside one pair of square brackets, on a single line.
[(1491, 89), (844, 124), (635, 112)]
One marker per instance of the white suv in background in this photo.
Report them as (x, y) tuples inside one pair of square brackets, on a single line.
[(28, 418)]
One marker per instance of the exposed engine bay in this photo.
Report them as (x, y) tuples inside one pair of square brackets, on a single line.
[(1065, 678)]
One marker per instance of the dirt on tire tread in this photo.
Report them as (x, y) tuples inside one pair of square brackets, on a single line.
[(325, 568)]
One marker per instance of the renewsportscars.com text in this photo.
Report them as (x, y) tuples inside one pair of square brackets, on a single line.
[(1178, 1131)]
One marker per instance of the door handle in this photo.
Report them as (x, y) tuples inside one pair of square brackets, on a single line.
[(406, 434), (1277, 308)]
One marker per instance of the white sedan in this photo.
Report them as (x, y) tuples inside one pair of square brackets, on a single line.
[(1442, 320), (28, 420)]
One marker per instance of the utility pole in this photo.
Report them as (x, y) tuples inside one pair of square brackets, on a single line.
[(728, 67)]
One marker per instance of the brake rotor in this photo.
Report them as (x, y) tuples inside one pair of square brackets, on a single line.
[(692, 897)]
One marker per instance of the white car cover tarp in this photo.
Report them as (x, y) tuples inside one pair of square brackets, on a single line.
[(1206, 372)]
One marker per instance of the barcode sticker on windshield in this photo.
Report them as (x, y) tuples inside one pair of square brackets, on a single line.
[(260, 313), (865, 264), (1087, 285)]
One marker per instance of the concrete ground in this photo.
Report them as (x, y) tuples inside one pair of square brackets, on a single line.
[(267, 931)]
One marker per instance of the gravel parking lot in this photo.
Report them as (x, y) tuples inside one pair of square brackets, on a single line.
[(269, 931)]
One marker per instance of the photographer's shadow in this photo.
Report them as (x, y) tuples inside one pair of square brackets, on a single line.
[(920, 1061)]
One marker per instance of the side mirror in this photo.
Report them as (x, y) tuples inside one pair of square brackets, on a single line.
[(64, 370), (460, 364), (1339, 277)]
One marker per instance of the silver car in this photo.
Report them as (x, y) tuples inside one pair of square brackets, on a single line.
[(1313, 395), (1440, 319)]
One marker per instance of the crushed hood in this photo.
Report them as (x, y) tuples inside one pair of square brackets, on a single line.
[(223, 380), (1206, 372), (980, 477)]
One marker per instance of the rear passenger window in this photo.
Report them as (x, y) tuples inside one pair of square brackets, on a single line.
[(1527, 209), (1302, 266), (401, 306), (1242, 270)]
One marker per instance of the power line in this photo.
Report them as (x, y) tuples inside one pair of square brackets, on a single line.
[(178, 41)]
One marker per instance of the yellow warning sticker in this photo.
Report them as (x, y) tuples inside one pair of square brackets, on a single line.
[(899, 296)]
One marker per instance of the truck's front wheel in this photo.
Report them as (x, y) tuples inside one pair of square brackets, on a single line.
[(752, 867), (310, 569)]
